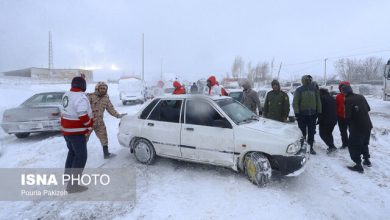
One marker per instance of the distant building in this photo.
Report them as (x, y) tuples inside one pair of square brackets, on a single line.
[(51, 75)]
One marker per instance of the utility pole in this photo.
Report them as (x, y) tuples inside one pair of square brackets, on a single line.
[(325, 72), (50, 66), (143, 55), (161, 77), (280, 67)]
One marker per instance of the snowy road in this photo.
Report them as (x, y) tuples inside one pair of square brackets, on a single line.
[(172, 189)]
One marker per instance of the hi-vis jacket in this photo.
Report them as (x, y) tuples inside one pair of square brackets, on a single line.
[(76, 113)]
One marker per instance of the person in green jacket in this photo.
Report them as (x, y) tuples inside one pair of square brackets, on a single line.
[(277, 104), (307, 106)]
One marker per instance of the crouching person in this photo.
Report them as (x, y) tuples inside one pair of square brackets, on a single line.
[(100, 102), (76, 123)]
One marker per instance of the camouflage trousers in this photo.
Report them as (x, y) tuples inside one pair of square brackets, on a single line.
[(101, 133)]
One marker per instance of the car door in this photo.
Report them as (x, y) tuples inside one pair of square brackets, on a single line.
[(163, 126), (206, 136)]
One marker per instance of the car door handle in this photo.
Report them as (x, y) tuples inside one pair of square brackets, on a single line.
[(190, 129), (150, 124)]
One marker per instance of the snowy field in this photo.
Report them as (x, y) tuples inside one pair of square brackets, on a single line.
[(171, 189)]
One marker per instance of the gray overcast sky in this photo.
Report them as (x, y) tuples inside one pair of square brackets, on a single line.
[(191, 38)]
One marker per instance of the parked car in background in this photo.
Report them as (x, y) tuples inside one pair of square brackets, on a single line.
[(236, 94), (39, 113), (214, 130), (132, 91)]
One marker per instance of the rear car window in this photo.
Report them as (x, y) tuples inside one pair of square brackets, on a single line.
[(167, 110), (148, 108)]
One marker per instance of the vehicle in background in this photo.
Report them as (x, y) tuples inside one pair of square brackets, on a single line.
[(236, 94), (290, 86), (132, 91), (184, 127), (386, 83), (39, 113)]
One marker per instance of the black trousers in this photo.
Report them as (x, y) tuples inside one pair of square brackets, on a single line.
[(77, 154), (326, 134), (358, 144), (307, 124), (343, 127)]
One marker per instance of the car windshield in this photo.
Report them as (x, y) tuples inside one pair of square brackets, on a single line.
[(43, 99), (236, 111)]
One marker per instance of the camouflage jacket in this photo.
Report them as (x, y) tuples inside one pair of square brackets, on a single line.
[(99, 105)]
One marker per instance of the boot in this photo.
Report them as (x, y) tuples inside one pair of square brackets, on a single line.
[(356, 168), (367, 162), (331, 150), (75, 188), (107, 155), (312, 150)]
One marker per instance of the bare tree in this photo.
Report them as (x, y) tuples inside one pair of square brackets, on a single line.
[(238, 67), (262, 72), (357, 71)]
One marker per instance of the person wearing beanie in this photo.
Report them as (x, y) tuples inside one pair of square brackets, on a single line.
[(277, 104), (179, 89), (100, 101), (341, 120), (360, 125), (76, 123), (307, 106)]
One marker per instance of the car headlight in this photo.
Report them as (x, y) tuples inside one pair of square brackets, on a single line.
[(293, 148)]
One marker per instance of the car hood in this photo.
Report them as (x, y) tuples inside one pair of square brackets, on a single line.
[(282, 130)]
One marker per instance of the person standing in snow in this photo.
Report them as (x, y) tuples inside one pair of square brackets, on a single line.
[(100, 101), (76, 123), (307, 106), (250, 98), (341, 120), (327, 120), (276, 104), (179, 89), (356, 112), (214, 88), (194, 89)]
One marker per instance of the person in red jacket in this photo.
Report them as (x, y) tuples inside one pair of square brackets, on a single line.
[(76, 123), (179, 89), (341, 120)]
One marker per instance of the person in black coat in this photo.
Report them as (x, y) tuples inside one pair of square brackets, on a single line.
[(327, 120), (356, 111), (194, 89)]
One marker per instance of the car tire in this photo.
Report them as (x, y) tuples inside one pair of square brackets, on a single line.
[(124, 102), (257, 168), (22, 135), (144, 151)]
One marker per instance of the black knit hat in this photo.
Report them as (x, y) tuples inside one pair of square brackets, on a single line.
[(79, 82)]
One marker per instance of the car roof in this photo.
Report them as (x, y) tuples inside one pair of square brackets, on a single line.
[(186, 96), (234, 90), (43, 93)]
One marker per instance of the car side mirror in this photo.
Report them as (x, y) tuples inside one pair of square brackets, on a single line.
[(221, 123)]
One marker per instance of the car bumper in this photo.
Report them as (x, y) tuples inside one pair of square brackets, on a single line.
[(31, 126), (124, 139), (292, 165)]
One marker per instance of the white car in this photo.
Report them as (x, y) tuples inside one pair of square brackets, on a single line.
[(214, 130)]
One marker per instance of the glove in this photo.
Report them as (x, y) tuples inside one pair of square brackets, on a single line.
[(121, 115)]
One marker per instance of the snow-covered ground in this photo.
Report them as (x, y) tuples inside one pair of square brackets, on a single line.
[(172, 189)]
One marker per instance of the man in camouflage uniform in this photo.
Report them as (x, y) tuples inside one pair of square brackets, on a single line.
[(99, 103), (277, 104)]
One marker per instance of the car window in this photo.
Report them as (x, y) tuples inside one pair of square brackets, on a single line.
[(53, 98), (236, 95), (236, 111), (167, 110), (148, 108), (46, 98), (202, 113)]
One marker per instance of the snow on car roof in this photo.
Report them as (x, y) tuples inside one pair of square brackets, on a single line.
[(184, 96)]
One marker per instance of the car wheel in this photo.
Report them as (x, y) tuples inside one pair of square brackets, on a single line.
[(124, 102), (257, 168), (144, 151), (22, 135)]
